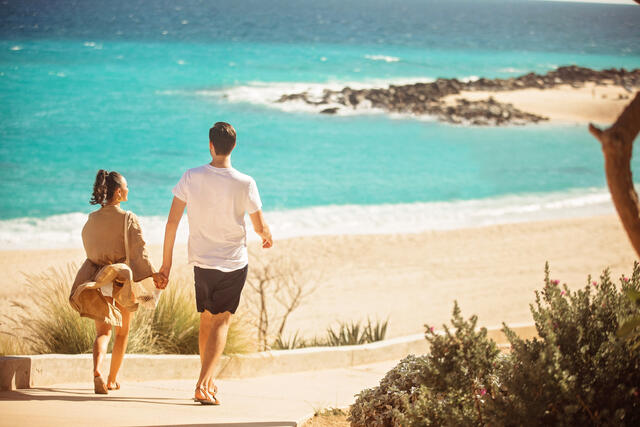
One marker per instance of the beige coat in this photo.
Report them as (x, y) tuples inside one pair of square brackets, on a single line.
[(103, 239)]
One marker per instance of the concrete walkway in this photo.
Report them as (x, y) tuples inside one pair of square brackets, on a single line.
[(278, 400)]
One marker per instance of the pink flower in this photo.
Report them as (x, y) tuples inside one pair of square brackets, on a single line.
[(562, 293), (625, 279), (555, 282), (431, 329), (594, 283), (483, 391)]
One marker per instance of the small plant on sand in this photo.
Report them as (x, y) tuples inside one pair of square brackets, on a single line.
[(51, 325), (276, 286), (576, 372), (352, 333), (327, 417)]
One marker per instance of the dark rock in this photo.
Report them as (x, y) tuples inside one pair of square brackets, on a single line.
[(426, 98)]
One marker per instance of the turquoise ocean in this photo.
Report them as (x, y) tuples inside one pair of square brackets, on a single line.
[(133, 86)]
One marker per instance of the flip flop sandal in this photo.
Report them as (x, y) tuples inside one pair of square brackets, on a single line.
[(209, 399), (116, 386), (99, 387)]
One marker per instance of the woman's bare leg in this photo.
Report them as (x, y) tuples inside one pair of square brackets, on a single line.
[(119, 346), (103, 335)]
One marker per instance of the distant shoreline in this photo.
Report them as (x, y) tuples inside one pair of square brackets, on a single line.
[(567, 94)]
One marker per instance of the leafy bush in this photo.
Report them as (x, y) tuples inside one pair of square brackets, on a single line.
[(444, 387), (51, 325), (577, 372)]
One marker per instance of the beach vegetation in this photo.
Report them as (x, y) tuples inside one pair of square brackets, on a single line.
[(48, 324), (276, 287), (577, 371), (346, 333), (327, 417)]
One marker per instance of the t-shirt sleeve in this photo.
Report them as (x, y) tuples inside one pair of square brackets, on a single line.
[(254, 203), (181, 188)]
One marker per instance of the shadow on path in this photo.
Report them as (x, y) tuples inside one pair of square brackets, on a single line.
[(42, 394), (252, 424)]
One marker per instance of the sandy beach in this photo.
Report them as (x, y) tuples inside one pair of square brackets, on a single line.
[(413, 279), (591, 103)]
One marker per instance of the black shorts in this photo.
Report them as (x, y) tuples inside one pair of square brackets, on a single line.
[(217, 291)]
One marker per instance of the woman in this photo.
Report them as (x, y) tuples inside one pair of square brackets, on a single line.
[(103, 289)]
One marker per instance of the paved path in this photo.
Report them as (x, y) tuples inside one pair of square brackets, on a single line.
[(278, 400)]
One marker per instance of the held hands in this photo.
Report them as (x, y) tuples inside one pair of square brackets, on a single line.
[(163, 276), (160, 280)]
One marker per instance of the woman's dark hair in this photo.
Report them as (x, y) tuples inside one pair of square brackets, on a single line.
[(106, 184)]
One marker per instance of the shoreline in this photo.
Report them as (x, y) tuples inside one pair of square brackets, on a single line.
[(63, 231), (411, 279), (565, 104)]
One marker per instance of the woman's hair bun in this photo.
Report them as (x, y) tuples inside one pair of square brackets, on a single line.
[(105, 185)]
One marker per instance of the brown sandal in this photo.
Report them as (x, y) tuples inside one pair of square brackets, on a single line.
[(208, 399), (99, 387)]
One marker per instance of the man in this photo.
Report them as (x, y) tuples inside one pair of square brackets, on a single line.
[(216, 197)]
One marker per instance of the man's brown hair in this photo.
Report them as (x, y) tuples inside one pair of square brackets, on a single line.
[(223, 137)]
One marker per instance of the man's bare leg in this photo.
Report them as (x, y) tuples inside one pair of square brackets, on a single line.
[(206, 323), (214, 346)]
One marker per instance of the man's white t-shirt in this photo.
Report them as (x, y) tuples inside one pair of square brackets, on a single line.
[(217, 199)]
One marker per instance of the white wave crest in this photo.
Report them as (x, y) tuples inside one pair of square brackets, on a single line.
[(268, 94), (382, 58), (62, 231)]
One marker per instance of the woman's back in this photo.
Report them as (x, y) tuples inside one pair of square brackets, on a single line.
[(103, 236)]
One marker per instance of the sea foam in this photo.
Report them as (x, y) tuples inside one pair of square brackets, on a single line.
[(268, 93), (63, 231), (382, 58)]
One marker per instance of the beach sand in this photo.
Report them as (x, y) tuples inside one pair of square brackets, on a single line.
[(564, 104), (412, 279)]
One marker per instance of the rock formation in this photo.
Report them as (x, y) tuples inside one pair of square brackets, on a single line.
[(427, 98)]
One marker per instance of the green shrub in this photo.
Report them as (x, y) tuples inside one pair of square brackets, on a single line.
[(51, 325), (445, 387), (577, 372), (383, 405)]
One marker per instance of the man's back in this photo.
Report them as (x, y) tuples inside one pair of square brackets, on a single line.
[(217, 200)]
